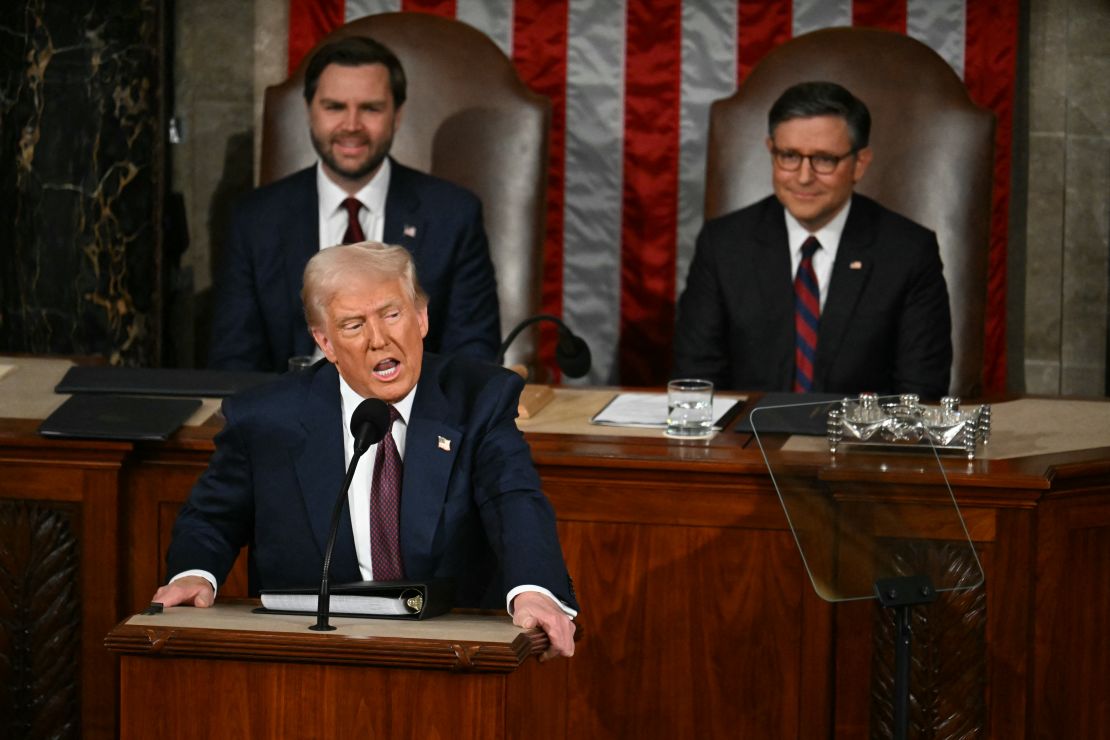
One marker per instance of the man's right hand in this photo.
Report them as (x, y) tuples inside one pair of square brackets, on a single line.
[(186, 591)]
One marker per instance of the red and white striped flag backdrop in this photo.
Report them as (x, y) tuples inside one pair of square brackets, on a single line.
[(631, 82)]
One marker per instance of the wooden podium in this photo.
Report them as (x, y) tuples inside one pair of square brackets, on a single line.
[(227, 672)]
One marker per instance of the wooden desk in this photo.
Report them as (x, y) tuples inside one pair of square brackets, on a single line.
[(226, 672), (697, 611), (685, 564)]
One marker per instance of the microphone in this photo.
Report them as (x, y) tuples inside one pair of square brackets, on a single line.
[(369, 423), (572, 354)]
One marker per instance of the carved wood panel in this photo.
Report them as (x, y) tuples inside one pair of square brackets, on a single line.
[(948, 667), (40, 619), (83, 178)]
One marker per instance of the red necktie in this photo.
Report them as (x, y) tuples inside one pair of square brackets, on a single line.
[(385, 508), (807, 310), (354, 230)]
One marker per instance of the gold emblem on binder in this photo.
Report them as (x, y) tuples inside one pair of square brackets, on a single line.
[(416, 603)]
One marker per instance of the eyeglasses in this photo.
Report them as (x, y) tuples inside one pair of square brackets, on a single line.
[(822, 164)]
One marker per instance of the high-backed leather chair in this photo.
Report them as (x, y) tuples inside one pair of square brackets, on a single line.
[(932, 155), (468, 119)]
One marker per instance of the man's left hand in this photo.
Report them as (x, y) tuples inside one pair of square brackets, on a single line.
[(533, 609)]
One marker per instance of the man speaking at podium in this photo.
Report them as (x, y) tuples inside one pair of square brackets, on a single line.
[(456, 495)]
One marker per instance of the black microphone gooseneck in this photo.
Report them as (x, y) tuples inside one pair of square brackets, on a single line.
[(572, 354), (369, 423)]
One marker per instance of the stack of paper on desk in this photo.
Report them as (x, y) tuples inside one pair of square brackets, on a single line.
[(650, 410)]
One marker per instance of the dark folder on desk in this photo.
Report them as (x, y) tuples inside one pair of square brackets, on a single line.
[(813, 421), (118, 417), (160, 381), (376, 599)]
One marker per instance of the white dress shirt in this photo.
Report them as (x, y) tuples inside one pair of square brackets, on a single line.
[(825, 257), (359, 497), (333, 216)]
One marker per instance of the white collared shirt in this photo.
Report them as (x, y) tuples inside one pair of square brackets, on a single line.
[(825, 257), (333, 216), (358, 499)]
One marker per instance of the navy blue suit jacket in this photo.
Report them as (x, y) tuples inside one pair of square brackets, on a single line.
[(885, 326), (474, 512), (258, 321)]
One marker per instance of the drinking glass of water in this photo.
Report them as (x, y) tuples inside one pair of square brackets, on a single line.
[(689, 408)]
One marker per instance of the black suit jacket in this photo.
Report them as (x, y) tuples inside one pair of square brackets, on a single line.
[(885, 326), (258, 322), (471, 507)]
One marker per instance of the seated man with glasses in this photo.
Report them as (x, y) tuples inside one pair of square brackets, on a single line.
[(816, 288)]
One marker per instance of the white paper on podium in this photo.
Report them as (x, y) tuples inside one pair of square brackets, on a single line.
[(650, 410)]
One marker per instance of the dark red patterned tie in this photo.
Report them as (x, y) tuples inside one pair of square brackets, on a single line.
[(807, 311), (385, 508), (354, 229)]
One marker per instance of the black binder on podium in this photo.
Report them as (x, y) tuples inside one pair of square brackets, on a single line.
[(377, 599), (160, 381), (118, 417)]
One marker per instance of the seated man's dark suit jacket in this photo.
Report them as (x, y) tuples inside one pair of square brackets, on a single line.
[(258, 322), (885, 326), (474, 512)]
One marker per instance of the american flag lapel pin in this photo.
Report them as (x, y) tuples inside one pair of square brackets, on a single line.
[(855, 265), (444, 444), (410, 232)]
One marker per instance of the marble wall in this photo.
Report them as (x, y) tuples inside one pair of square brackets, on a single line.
[(226, 55), (1067, 235), (212, 160), (80, 191)]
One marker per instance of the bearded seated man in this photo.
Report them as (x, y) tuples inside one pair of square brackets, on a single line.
[(355, 91)]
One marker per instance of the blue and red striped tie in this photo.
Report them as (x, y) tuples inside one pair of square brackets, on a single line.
[(807, 311)]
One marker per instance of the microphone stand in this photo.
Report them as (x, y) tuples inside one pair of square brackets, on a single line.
[(369, 424), (323, 602), (572, 354)]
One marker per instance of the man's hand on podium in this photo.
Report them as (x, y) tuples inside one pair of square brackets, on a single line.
[(533, 609), (188, 591)]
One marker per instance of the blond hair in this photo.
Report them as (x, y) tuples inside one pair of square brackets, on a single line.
[(329, 269)]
